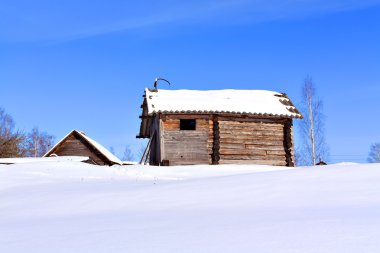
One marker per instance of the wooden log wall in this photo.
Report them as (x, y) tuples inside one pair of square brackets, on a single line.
[(226, 139), (183, 147), (253, 141)]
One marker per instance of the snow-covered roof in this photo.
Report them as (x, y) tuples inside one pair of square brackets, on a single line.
[(258, 103), (253, 102), (111, 157), (102, 149)]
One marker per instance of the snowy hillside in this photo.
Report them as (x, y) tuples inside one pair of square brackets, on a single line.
[(75, 207)]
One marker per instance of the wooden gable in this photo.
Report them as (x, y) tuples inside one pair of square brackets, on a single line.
[(74, 144)]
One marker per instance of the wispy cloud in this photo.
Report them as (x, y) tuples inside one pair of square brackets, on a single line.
[(44, 20)]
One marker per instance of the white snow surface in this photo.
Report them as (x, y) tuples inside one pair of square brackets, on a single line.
[(217, 101), (43, 159), (78, 207)]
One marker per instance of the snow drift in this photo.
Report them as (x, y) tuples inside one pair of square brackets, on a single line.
[(75, 207)]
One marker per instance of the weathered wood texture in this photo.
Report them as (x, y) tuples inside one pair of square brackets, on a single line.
[(183, 147), (222, 139), (215, 156), (76, 146), (252, 141), (289, 143)]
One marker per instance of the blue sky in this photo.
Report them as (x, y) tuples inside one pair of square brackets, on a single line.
[(84, 64)]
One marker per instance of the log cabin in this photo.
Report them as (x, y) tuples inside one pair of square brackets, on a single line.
[(218, 127), (77, 143)]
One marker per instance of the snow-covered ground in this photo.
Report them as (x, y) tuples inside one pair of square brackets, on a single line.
[(65, 206)]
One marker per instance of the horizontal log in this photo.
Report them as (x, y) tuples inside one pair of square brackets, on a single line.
[(258, 162), (234, 134), (251, 157), (186, 158), (180, 162), (247, 152), (265, 147), (251, 147), (251, 125), (277, 152), (242, 152), (251, 142), (257, 120), (224, 134), (249, 138), (250, 130)]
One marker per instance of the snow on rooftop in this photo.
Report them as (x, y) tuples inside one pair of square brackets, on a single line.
[(102, 149), (259, 102)]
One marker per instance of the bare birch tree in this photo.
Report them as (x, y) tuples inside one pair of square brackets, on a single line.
[(314, 146), (374, 153), (38, 143)]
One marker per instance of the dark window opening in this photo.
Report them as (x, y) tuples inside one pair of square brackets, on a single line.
[(187, 124)]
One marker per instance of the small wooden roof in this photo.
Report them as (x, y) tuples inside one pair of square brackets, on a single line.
[(261, 103), (107, 155)]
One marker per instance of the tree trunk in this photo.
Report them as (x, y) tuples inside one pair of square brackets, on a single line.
[(312, 130)]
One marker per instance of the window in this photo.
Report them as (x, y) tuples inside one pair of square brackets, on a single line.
[(187, 124)]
